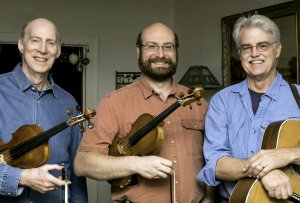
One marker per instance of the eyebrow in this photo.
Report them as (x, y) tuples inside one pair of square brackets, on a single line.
[(256, 43)]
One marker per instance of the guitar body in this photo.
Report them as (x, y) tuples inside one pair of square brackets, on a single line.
[(281, 134)]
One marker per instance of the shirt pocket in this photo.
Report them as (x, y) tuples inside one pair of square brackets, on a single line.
[(193, 136)]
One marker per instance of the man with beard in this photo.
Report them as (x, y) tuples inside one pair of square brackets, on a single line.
[(170, 172)]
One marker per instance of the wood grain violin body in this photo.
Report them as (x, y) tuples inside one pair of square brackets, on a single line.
[(28, 159), (146, 135), (29, 146)]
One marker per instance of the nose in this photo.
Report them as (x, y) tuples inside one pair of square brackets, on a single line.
[(160, 52), (254, 51), (43, 47)]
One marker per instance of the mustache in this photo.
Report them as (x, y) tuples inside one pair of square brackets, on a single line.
[(158, 59), (250, 60)]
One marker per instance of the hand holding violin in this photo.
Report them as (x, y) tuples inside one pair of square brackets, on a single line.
[(40, 179), (153, 167)]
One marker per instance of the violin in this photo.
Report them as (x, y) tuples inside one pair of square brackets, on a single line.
[(146, 134), (29, 146)]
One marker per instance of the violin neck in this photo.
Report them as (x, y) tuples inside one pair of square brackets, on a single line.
[(37, 140), (139, 134)]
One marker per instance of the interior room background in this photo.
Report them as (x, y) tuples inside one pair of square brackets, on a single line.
[(107, 29)]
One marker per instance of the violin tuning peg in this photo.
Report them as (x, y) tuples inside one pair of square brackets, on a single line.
[(180, 94), (190, 90), (69, 111), (81, 128), (90, 124)]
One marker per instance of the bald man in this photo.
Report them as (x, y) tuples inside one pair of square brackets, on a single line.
[(28, 95), (170, 174)]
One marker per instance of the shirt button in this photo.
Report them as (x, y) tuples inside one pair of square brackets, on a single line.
[(168, 122), (172, 141), (176, 182)]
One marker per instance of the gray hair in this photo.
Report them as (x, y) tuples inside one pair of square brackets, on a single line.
[(258, 21)]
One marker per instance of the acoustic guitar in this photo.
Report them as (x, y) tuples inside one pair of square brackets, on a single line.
[(280, 134)]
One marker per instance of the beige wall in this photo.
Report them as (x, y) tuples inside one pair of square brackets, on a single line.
[(110, 27)]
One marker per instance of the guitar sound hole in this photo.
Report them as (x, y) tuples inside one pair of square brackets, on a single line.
[(296, 169)]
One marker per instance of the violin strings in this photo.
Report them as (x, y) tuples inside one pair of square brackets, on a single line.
[(150, 125), (29, 144)]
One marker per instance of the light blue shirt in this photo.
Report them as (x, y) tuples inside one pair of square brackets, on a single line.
[(233, 130), (20, 104)]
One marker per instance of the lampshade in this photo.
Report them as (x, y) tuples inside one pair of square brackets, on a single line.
[(199, 76)]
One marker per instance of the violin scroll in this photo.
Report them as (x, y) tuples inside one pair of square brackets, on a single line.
[(193, 95), (87, 115)]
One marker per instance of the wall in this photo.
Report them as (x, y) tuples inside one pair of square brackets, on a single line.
[(198, 23), (110, 28)]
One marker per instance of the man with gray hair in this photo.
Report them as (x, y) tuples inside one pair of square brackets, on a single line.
[(239, 114), (28, 95)]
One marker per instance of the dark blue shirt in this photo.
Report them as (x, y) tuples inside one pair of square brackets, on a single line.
[(20, 104)]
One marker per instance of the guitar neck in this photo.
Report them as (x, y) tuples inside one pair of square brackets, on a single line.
[(139, 134), (35, 141), (294, 198)]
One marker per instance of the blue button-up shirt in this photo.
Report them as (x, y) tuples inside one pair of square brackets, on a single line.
[(233, 130), (20, 104)]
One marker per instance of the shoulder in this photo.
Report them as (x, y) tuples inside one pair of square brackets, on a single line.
[(63, 94), (126, 91)]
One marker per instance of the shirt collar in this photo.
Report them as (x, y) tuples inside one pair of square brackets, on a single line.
[(272, 92), (24, 83), (148, 91)]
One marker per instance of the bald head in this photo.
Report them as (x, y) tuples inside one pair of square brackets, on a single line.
[(40, 22), (157, 32)]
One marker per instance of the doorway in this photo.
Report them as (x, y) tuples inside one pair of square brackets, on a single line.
[(67, 71)]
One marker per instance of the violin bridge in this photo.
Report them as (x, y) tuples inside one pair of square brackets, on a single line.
[(2, 161), (121, 149)]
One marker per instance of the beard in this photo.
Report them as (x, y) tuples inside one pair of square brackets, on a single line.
[(158, 74)]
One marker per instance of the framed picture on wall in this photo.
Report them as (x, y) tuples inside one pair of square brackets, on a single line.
[(125, 78), (286, 16)]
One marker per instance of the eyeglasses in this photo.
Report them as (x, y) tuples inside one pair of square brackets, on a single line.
[(167, 47), (261, 47)]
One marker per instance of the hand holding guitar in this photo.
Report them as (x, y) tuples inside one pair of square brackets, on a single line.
[(277, 184), (265, 161)]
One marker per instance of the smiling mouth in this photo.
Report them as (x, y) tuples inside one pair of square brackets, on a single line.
[(257, 61), (40, 59), (159, 62)]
